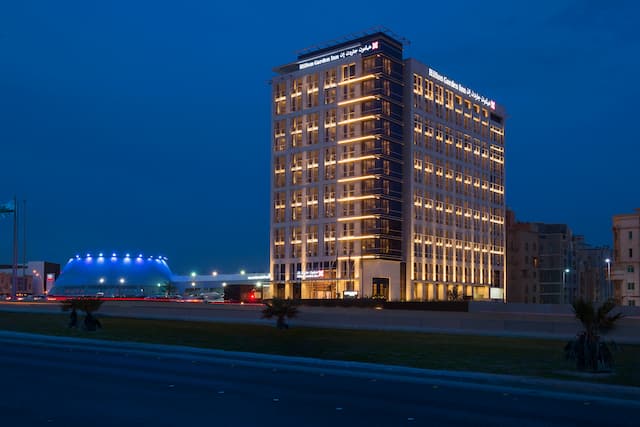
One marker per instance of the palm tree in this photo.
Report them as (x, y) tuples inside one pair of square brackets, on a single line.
[(88, 305), (280, 309), (589, 352), (169, 289)]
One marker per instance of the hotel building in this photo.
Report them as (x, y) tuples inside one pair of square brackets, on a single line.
[(387, 179)]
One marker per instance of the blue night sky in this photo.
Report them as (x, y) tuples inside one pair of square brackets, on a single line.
[(144, 126)]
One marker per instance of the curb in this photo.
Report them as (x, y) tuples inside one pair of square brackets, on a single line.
[(566, 389)]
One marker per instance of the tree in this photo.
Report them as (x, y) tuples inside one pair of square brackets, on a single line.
[(169, 289), (587, 349), (454, 294), (88, 305), (280, 309)]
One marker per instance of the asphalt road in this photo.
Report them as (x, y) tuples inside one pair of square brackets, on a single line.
[(554, 326), (47, 381)]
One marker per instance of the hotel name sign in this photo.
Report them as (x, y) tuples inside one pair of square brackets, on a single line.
[(338, 55), (314, 274), (463, 90)]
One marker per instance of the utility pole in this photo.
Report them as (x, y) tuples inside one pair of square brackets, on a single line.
[(14, 275), (24, 246)]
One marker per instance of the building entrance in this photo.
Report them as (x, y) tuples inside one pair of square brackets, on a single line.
[(296, 290), (380, 288)]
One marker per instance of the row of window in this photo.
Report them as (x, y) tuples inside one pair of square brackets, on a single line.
[(330, 210), (303, 96), (374, 245), (434, 91), (460, 120), (461, 222), (367, 127), (457, 274)]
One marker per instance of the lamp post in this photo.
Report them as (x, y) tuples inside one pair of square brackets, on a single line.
[(193, 283), (259, 286), (564, 280), (335, 275), (608, 291)]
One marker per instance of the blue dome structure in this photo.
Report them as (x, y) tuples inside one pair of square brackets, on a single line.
[(113, 275)]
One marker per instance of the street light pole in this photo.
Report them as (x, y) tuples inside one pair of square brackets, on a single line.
[(564, 280), (14, 270), (608, 293)]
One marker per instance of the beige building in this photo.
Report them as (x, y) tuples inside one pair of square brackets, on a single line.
[(625, 271), (548, 264), (387, 178)]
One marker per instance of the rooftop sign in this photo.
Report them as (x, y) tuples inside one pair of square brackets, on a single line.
[(463, 90), (350, 51)]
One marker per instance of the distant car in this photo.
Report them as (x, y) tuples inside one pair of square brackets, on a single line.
[(191, 299)]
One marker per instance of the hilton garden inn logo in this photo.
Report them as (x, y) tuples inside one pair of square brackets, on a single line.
[(338, 55)]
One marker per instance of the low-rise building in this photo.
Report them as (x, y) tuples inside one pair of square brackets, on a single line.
[(34, 277), (625, 272), (540, 262)]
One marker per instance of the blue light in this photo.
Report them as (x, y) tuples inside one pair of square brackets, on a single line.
[(113, 255)]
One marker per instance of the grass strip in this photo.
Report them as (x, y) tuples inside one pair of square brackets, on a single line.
[(502, 355)]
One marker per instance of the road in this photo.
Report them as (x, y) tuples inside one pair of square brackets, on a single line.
[(53, 381), (554, 326)]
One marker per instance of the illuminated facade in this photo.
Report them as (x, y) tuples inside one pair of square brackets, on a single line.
[(387, 179), (113, 275), (136, 276)]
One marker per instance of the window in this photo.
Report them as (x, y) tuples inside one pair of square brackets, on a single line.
[(348, 190), (348, 169), (632, 302), (329, 209), (348, 209), (330, 96), (631, 286), (630, 253), (386, 66), (629, 268), (348, 71), (428, 89), (329, 172), (349, 112), (630, 235), (348, 229), (368, 64)]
